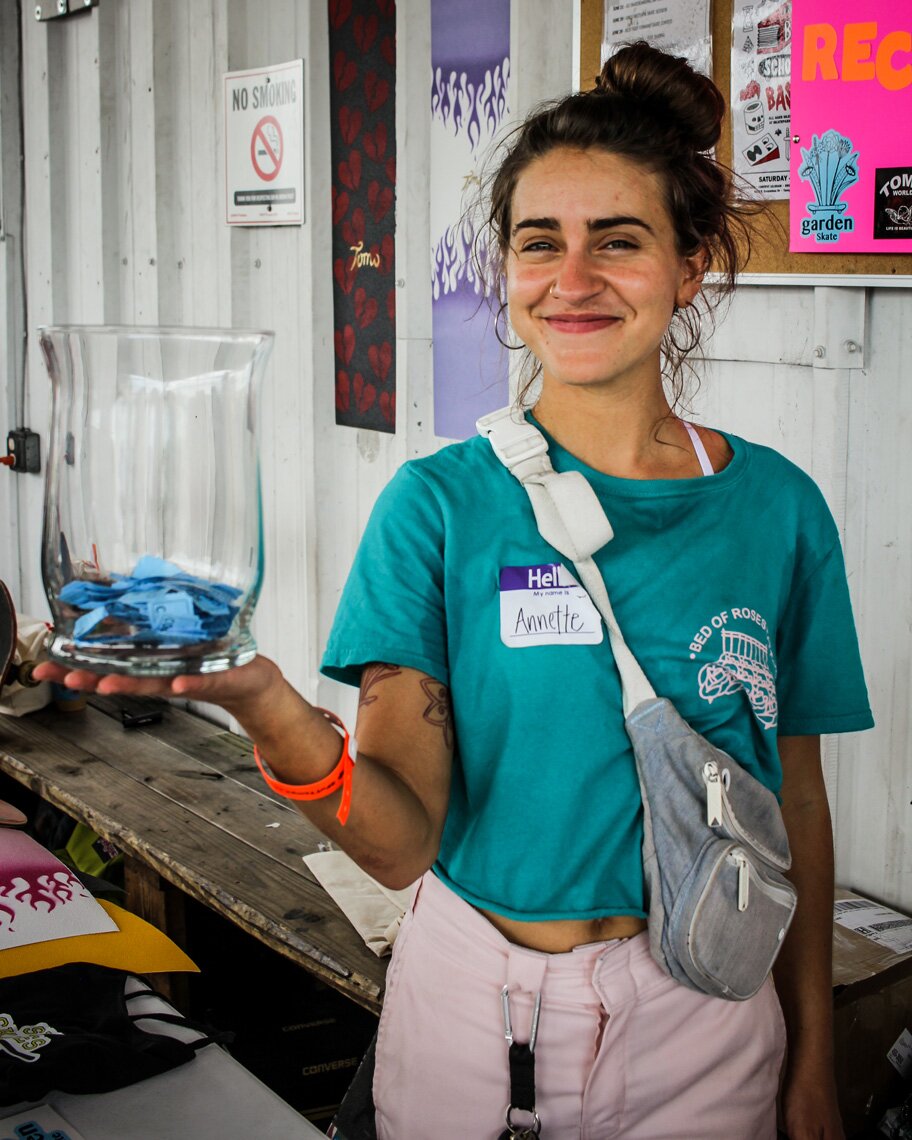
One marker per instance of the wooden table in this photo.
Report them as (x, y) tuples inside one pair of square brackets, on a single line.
[(184, 802)]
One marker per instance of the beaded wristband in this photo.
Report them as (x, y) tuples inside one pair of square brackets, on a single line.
[(339, 777)]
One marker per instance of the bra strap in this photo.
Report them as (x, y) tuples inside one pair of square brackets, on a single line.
[(705, 464)]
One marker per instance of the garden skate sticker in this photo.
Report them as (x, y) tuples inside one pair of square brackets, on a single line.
[(737, 655), (830, 165)]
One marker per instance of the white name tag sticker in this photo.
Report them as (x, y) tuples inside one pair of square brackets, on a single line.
[(545, 605)]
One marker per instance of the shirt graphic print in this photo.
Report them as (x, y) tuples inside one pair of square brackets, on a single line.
[(745, 661)]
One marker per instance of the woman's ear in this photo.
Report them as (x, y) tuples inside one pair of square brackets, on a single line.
[(693, 270)]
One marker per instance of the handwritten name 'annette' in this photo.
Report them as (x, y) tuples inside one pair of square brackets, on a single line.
[(561, 620)]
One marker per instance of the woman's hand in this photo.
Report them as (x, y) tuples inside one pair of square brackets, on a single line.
[(810, 1110), (239, 691)]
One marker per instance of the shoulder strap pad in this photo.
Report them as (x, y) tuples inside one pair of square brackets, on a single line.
[(567, 510)]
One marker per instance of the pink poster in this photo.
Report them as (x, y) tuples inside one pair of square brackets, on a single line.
[(851, 155)]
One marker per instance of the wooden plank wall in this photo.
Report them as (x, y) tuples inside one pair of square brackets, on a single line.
[(124, 223)]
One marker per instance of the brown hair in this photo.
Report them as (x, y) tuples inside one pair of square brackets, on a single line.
[(654, 109)]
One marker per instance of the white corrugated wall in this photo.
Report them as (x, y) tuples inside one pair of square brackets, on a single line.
[(122, 123)]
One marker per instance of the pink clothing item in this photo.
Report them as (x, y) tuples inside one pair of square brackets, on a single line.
[(622, 1049)]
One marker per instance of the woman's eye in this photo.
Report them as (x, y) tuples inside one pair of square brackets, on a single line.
[(540, 245), (619, 243)]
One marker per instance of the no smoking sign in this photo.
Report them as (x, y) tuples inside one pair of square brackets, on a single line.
[(264, 145), (266, 148)]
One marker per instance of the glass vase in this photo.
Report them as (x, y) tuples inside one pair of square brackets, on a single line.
[(152, 552)]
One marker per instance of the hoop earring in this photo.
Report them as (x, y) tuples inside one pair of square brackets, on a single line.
[(498, 335)]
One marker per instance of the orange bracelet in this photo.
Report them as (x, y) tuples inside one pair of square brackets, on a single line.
[(339, 777)]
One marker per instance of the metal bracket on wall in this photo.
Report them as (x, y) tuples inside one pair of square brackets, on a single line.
[(840, 326), (53, 9)]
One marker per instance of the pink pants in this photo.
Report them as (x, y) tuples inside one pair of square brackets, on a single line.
[(622, 1049)]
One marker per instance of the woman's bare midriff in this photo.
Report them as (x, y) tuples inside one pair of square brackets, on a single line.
[(560, 936)]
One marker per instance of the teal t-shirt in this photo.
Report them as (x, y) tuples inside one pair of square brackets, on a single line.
[(730, 590)]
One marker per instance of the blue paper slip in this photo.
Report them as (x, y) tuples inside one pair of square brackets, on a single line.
[(157, 605)]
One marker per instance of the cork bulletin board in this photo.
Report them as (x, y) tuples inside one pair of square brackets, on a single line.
[(770, 254)]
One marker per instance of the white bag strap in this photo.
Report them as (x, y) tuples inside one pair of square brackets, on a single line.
[(570, 517)]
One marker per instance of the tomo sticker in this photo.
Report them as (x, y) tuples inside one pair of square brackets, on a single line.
[(545, 605)]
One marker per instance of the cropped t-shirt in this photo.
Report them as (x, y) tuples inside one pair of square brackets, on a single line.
[(730, 590)]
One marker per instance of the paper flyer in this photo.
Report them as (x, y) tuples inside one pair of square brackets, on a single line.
[(677, 26), (761, 94)]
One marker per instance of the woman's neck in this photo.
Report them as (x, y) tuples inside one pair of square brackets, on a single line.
[(626, 434)]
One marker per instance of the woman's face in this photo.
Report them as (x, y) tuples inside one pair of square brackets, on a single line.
[(593, 274)]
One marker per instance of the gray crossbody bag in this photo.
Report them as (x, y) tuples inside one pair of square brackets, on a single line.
[(715, 846)]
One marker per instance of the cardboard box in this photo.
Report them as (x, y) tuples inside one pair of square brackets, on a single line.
[(872, 1007)]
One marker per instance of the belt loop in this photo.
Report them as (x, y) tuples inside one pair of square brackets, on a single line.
[(416, 891), (526, 970)]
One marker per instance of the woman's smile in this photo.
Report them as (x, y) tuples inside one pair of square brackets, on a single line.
[(580, 323)]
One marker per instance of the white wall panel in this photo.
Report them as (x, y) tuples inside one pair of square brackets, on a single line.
[(849, 429), (774, 324), (874, 824), (271, 276), (44, 275), (12, 299)]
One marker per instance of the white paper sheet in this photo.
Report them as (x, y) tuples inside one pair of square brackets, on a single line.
[(373, 910), (677, 26)]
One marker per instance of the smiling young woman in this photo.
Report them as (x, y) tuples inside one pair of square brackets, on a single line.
[(495, 770)]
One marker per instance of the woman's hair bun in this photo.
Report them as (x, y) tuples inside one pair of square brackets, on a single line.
[(676, 92)]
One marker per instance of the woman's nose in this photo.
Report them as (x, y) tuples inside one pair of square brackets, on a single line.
[(578, 277)]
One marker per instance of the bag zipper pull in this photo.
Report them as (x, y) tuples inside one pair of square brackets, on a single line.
[(743, 879), (713, 794)]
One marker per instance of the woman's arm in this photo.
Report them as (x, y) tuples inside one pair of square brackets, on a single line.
[(803, 970), (401, 781)]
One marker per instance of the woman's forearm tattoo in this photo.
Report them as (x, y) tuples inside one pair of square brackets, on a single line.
[(372, 675), (439, 711)]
